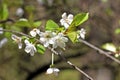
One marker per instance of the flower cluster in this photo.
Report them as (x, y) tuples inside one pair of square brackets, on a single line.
[(48, 38)]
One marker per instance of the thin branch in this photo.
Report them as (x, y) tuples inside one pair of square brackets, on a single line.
[(16, 32), (70, 63), (7, 20), (100, 50)]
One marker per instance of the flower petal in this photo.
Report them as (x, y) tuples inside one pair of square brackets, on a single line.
[(14, 37), (19, 45), (49, 71), (27, 49), (66, 25), (82, 33), (46, 44), (64, 15), (56, 70), (33, 33), (1, 30), (27, 42), (70, 16), (32, 52)]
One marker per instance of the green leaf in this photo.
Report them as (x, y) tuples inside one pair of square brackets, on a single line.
[(40, 49), (117, 31), (24, 37), (7, 34), (72, 36), (51, 25), (37, 24), (109, 47), (78, 20), (4, 12), (23, 23)]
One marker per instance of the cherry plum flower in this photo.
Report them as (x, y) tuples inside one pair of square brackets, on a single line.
[(52, 71), (20, 12), (81, 33), (30, 48), (66, 20), (3, 41), (46, 38), (59, 40), (1, 30), (18, 40), (34, 32)]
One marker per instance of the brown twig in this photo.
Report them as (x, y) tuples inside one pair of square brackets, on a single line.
[(16, 32), (100, 50), (71, 64), (7, 20)]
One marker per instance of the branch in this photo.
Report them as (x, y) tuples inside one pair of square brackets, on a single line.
[(43, 68), (70, 63), (100, 50), (16, 32), (63, 58), (7, 20)]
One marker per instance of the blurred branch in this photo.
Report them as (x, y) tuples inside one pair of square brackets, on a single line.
[(100, 50), (7, 20), (70, 63), (16, 32)]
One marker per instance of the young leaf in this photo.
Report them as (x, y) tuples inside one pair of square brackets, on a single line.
[(109, 47), (72, 36), (37, 24), (78, 20), (51, 25), (117, 31), (22, 23), (4, 12), (40, 49)]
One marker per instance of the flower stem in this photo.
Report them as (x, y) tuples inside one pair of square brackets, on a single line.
[(52, 59)]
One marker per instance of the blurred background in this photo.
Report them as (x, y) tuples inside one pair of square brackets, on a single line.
[(104, 19)]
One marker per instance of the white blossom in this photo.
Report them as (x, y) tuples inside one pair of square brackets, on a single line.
[(81, 33), (18, 40), (117, 55), (59, 40), (23, 19), (52, 70), (41, 2), (34, 32), (30, 48), (1, 30), (3, 41), (19, 12), (46, 38), (66, 20)]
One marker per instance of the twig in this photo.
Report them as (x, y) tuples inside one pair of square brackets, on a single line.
[(16, 32), (100, 50), (70, 63), (7, 20)]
